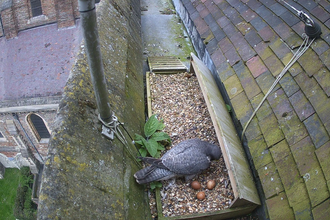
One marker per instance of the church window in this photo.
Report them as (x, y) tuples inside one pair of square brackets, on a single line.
[(38, 127), (36, 7)]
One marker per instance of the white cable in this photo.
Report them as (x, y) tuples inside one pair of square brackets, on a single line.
[(302, 49)]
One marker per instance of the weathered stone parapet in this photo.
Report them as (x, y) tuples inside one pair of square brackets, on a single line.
[(87, 176)]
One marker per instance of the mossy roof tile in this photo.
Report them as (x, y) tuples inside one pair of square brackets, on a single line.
[(270, 180), (257, 39), (322, 154), (316, 130), (301, 105), (278, 207)]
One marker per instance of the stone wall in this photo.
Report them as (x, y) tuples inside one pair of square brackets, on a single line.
[(87, 175)]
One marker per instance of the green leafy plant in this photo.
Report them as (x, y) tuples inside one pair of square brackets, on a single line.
[(155, 184), (155, 139)]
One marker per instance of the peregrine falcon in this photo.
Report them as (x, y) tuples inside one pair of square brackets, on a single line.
[(188, 158)]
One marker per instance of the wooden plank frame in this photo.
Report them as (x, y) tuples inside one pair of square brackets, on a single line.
[(240, 175), (245, 192), (166, 65)]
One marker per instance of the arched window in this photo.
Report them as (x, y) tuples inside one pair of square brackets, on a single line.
[(36, 7), (38, 127)]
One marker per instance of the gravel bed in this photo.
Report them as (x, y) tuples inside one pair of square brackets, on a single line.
[(178, 100)]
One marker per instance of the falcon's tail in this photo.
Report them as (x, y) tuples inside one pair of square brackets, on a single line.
[(151, 173)]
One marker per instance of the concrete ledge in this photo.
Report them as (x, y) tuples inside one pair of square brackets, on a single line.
[(29, 108)]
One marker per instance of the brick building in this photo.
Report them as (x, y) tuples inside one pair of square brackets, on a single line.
[(38, 41), (18, 15)]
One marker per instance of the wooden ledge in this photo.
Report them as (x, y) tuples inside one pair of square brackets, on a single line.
[(240, 175)]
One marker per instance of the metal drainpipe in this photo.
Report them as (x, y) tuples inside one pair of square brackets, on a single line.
[(89, 27)]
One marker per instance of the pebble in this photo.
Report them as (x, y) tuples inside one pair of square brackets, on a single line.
[(179, 101)]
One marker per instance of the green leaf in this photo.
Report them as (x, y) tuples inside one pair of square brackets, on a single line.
[(228, 108), (143, 152), (151, 146), (157, 154), (154, 185), (160, 147), (160, 136), (151, 126)]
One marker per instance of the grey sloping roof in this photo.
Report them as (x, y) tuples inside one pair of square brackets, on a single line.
[(249, 42)]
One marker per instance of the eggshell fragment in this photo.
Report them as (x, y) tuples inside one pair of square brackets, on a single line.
[(210, 184), (201, 195), (195, 185)]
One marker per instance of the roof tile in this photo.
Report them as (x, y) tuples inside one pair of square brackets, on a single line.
[(325, 57), (233, 86), (242, 46), (263, 50), (322, 154), (323, 78), (309, 4), (289, 85), (243, 27), (212, 45), (271, 131), (278, 9), (316, 186), (301, 105), (280, 150), (316, 130), (280, 104), (230, 29), (225, 45), (274, 65), (293, 129), (260, 153), (253, 4), (265, 110), (270, 180), (256, 66), (218, 58), (253, 130), (258, 23), (278, 207), (288, 172), (283, 30), (225, 71), (279, 48), (320, 102), (249, 85), (248, 15), (223, 22), (320, 47), (232, 57), (303, 153), (320, 14), (265, 81), (310, 62), (242, 106), (305, 83), (252, 38), (322, 211), (299, 201), (289, 18)]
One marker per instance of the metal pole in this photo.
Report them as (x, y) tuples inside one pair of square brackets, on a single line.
[(89, 27)]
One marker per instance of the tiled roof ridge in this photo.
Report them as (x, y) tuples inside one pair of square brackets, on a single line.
[(250, 42)]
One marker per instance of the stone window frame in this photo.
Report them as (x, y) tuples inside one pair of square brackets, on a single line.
[(36, 19), (34, 129), (39, 2)]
